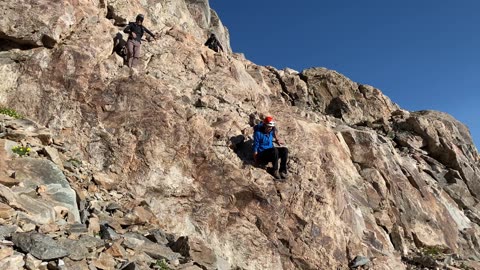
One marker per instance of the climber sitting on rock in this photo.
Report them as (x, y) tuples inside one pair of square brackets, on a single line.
[(134, 43), (213, 43), (264, 151)]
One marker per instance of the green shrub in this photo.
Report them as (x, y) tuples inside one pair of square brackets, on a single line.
[(21, 150), (10, 112)]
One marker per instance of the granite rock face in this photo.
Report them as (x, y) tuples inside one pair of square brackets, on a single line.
[(366, 177)]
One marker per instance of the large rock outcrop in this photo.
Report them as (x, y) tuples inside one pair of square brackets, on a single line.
[(366, 178)]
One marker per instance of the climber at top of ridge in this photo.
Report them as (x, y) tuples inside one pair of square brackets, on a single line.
[(213, 43), (264, 151), (134, 43)]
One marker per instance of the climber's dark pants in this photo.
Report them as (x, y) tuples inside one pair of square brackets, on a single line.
[(272, 155)]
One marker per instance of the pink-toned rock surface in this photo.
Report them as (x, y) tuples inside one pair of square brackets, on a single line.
[(366, 178)]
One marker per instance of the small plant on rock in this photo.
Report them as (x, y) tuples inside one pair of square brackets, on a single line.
[(10, 112), (75, 162), (433, 251), (162, 265), (21, 150)]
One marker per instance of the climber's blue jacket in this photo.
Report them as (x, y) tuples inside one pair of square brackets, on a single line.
[(261, 140)]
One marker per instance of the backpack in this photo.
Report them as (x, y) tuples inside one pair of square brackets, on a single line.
[(123, 51), (213, 44)]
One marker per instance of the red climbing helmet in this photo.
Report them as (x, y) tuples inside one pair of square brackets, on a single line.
[(268, 121)]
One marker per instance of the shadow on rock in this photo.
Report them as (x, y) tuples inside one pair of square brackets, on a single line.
[(243, 148)]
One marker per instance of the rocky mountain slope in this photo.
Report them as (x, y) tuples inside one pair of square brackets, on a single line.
[(155, 168)]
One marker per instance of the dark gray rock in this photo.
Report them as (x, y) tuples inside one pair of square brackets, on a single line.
[(129, 266), (160, 237), (40, 246), (137, 241), (111, 207), (90, 241), (83, 216), (76, 250), (359, 261), (159, 252), (107, 232), (77, 228), (6, 231)]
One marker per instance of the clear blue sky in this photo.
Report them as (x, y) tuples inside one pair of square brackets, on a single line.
[(423, 54)]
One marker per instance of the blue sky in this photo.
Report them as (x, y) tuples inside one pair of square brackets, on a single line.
[(423, 54)]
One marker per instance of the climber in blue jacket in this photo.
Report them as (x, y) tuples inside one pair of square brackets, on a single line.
[(264, 151)]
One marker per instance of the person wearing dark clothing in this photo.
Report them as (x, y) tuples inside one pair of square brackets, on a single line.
[(134, 42), (264, 151), (213, 43)]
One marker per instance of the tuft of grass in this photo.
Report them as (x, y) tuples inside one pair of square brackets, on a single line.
[(433, 251), (10, 112), (162, 265), (21, 150)]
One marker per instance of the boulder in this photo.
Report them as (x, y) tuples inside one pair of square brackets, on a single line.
[(334, 94), (34, 173), (197, 250), (40, 246)]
